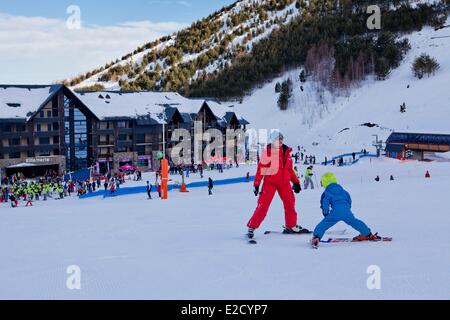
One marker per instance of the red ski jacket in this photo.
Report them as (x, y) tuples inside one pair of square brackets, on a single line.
[(276, 171)]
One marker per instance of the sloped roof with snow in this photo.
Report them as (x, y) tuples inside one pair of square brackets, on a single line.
[(21, 102), (110, 104)]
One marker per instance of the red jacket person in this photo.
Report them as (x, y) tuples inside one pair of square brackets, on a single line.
[(276, 169)]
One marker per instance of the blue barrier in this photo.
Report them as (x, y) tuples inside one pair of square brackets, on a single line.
[(359, 154), (143, 189)]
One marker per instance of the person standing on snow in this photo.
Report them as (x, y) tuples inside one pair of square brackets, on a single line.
[(276, 169), (308, 177), (149, 190), (210, 186), (340, 202)]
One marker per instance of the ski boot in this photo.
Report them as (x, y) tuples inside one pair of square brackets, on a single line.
[(315, 242), (370, 237), (250, 233), (295, 230)]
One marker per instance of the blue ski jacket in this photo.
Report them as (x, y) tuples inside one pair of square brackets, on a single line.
[(336, 198)]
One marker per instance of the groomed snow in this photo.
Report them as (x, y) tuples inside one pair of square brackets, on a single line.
[(192, 246)]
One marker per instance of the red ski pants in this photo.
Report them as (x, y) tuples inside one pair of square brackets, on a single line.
[(265, 199)]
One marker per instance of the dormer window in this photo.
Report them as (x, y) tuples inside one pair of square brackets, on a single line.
[(13, 105)]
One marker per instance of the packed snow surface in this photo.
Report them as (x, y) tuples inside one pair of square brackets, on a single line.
[(193, 247)]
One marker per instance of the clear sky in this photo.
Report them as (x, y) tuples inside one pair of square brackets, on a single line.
[(107, 12), (37, 46)]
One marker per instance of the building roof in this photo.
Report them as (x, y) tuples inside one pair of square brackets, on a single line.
[(21, 102), (110, 104), (419, 138)]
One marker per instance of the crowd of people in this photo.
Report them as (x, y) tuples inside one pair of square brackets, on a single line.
[(16, 188), (302, 157)]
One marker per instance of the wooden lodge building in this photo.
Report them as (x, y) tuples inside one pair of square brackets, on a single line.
[(53, 128)]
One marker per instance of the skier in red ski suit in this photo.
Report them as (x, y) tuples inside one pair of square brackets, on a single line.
[(276, 168)]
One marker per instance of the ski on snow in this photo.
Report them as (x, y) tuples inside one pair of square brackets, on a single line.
[(341, 240), (337, 232)]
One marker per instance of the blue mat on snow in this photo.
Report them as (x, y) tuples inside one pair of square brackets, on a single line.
[(124, 191)]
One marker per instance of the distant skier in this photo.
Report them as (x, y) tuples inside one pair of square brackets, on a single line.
[(149, 190), (277, 171), (308, 178), (377, 179), (427, 174), (392, 178), (29, 200), (14, 200), (210, 186), (340, 202)]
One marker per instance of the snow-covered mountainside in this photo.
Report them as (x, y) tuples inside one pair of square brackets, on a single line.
[(204, 48), (335, 123)]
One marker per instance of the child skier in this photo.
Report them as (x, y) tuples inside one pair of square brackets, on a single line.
[(276, 168), (29, 200), (308, 178), (340, 202)]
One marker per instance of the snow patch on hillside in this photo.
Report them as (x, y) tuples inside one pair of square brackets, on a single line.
[(335, 124)]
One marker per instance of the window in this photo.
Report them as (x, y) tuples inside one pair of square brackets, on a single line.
[(55, 126), (55, 113), (44, 153), (140, 138), (14, 155), (14, 142), (142, 163), (7, 128), (49, 127), (140, 150), (121, 124), (122, 137), (20, 128), (44, 140), (38, 127), (56, 152), (30, 154), (56, 140), (49, 113), (121, 149), (41, 114)]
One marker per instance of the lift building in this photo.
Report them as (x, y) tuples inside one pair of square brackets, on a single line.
[(402, 145)]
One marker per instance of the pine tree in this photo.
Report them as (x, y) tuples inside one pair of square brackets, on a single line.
[(424, 65)]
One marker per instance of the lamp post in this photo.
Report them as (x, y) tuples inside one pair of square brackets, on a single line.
[(164, 162)]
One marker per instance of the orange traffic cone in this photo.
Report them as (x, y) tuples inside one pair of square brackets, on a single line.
[(183, 188)]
